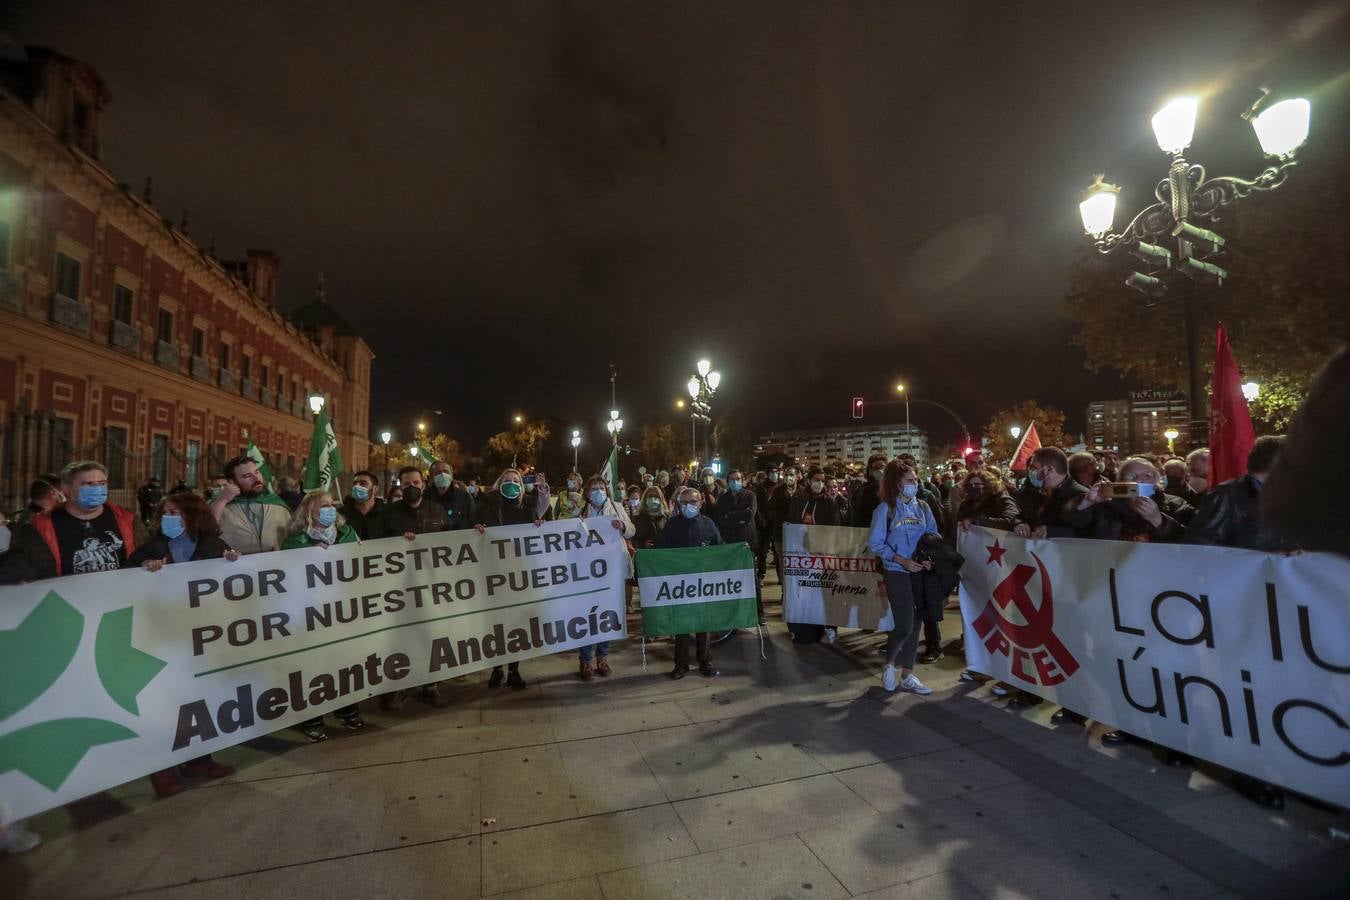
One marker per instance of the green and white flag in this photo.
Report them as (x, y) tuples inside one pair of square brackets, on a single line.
[(610, 473), (692, 589), (325, 462), (256, 455), (425, 458)]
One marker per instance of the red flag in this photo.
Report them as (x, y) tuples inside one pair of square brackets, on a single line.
[(1031, 442), (1231, 434)]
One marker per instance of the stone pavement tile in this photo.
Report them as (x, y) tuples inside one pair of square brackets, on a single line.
[(977, 705), (609, 774), (474, 739), (932, 713), (942, 886), (618, 721), (1277, 838), (685, 764), (901, 783), (443, 869), (523, 787), (560, 851), (432, 800), (371, 746), (98, 846), (873, 851), (584, 888), (1214, 859), (231, 834), (232, 888), (781, 867), (855, 733), (416, 716), (1100, 800), (757, 813), (760, 750), (334, 814), (276, 755), (1051, 848)]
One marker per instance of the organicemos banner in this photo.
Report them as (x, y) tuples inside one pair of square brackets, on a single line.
[(831, 578), (1233, 656), (110, 676)]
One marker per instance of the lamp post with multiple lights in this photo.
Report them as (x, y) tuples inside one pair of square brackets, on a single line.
[(1185, 197), (385, 438), (702, 386), (576, 447)]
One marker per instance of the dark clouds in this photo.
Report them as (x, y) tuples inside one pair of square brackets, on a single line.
[(507, 197)]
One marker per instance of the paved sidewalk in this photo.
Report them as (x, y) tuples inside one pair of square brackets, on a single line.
[(791, 776)]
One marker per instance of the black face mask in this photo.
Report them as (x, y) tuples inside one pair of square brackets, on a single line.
[(412, 494)]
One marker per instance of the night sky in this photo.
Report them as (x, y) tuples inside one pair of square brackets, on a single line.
[(507, 197)]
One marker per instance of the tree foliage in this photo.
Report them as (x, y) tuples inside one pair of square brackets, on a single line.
[(1049, 427), (1284, 304), (522, 444), (731, 439)]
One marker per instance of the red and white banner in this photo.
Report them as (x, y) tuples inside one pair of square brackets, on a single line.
[(1233, 656)]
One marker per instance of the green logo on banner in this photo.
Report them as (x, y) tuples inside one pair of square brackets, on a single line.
[(34, 655)]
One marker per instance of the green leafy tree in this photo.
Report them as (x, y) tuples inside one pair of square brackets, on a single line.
[(1049, 427), (522, 444), (663, 445), (1284, 304)]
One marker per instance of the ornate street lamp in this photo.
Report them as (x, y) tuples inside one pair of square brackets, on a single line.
[(576, 445), (702, 386), (385, 438), (1184, 198)]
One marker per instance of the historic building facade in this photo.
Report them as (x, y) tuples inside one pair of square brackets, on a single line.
[(123, 340)]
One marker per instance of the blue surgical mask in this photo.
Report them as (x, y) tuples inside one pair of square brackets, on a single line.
[(441, 480), (92, 496), (473, 490), (734, 485), (327, 516), (360, 493), (1034, 476), (572, 484), (170, 526), (1146, 489), (689, 510), (910, 490), (597, 498)]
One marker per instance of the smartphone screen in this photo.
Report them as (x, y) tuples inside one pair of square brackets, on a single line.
[(529, 479), (1123, 489)]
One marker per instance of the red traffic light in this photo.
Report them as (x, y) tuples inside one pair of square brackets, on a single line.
[(857, 407)]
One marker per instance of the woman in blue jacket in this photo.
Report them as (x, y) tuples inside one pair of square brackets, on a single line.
[(898, 523)]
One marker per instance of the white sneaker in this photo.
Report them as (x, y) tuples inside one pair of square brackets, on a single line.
[(18, 839), (913, 685), (888, 678), (831, 634)]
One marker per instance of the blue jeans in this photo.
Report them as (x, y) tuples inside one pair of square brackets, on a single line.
[(600, 649)]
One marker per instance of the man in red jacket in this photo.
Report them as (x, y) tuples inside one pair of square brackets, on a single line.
[(86, 534)]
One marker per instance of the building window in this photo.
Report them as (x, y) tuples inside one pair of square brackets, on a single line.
[(224, 356), (159, 457), (194, 452), (123, 303), (264, 377), (60, 448), (165, 326), (246, 368), (67, 276), (198, 343), (115, 456)]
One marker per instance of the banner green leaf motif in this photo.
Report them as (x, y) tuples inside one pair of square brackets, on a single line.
[(124, 670), (35, 654)]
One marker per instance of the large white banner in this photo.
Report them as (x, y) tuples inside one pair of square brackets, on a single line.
[(107, 677), (831, 578), (1233, 656)]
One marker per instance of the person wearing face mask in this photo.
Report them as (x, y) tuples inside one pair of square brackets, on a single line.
[(868, 495), (985, 502), (1152, 516), (362, 507), (1177, 484), (835, 491), (317, 523), (651, 518), (691, 529), (678, 479), (778, 509), (926, 494), (648, 479), (43, 496), (471, 488), (594, 658), (453, 498), (1046, 496), (252, 518), (899, 523), (711, 487), (414, 514), (85, 534), (1084, 469), (570, 499), (766, 539), (663, 481), (1197, 470), (735, 513), (507, 504), (812, 506), (634, 501)]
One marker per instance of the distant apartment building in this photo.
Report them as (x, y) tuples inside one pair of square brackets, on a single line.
[(842, 445), (1138, 424)]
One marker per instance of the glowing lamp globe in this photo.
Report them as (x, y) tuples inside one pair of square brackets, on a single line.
[(1283, 128), (1174, 124)]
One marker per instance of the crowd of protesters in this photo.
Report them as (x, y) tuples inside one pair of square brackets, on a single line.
[(69, 527)]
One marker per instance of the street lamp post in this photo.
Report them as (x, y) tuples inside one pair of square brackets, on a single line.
[(702, 385), (1183, 197), (1171, 434), (614, 426), (1251, 390), (385, 438), (576, 445), (1015, 431), (909, 439)]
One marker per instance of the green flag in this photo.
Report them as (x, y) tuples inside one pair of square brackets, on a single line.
[(611, 473), (425, 457), (325, 462), (692, 589), (264, 469)]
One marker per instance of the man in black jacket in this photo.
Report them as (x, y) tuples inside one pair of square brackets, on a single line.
[(362, 508), (1043, 500), (765, 535), (736, 514), (454, 499), (687, 527), (867, 497), (1230, 514)]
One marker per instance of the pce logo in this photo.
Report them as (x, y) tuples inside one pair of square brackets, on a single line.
[(1032, 640), (34, 656)]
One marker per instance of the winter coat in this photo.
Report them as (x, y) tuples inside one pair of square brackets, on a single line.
[(820, 507), (1037, 507), (1230, 516), (735, 515), (990, 511), (209, 546)]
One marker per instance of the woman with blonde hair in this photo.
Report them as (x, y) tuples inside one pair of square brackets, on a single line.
[(507, 504), (600, 505)]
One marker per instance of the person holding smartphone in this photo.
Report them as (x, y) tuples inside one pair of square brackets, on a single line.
[(1132, 509)]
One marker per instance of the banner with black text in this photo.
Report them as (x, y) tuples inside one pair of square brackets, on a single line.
[(110, 676), (831, 578), (1233, 656)]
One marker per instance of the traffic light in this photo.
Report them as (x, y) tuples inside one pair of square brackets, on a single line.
[(857, 407)]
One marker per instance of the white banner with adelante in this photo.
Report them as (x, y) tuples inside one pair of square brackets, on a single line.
[(1233, 656), (831, 578), (107, 677)]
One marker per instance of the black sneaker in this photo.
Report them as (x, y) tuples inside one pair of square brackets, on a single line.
[(707, 670), (514, 681), (1114, 738), (495, 679), (315, 733), (930, 656), (679, 671), (1063, 716), (354, 722), (429, 695)]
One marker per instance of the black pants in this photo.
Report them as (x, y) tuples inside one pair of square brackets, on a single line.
[(932, 636), (903, 644), (682, 642), (765, 542)]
